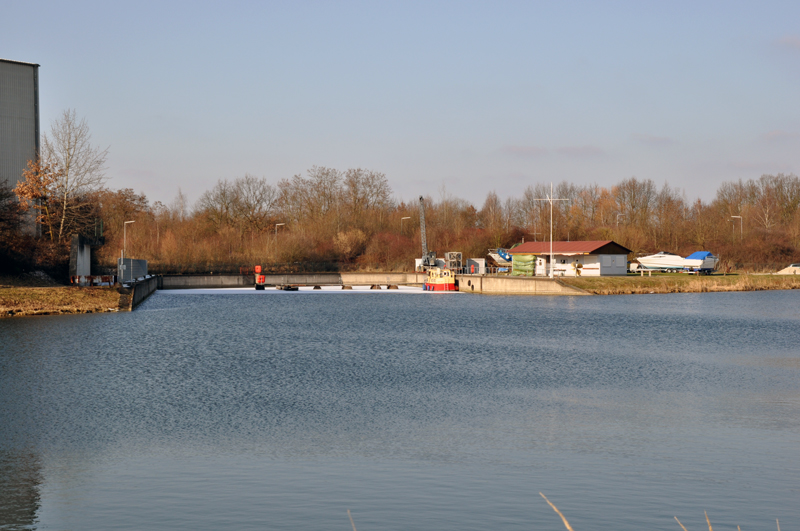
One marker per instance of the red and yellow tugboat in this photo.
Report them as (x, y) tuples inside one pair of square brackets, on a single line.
[(440, 280)]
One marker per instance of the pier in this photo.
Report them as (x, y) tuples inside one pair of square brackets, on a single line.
[(482, 284)]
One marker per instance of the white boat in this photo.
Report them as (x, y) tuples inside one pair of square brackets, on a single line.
[(793, 269), (662, 260), (702, 261)]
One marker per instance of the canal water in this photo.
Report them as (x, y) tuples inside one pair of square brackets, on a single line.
[(245, 410)]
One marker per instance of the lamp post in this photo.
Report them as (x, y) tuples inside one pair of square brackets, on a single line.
[(401, 223), (741, 226), (125, 236), (618, 216), (122, 266), (276, 234)]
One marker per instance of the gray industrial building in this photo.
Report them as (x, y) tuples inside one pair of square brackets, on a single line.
[(19, 118)]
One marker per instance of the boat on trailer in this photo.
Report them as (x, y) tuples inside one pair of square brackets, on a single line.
[(700, 262), (663, 261)]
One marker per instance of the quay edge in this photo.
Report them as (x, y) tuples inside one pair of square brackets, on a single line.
[(481, 284)]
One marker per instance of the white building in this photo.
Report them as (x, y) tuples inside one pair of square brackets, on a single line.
[(591, 259)]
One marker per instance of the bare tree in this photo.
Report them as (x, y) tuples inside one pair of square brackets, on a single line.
[(218, 204), (635, 199), (247, 203), (80, 166), (255, 202)]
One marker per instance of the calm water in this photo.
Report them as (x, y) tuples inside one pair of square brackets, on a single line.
[(266, 410)]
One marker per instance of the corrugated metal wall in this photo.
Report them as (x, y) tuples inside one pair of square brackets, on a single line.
[(19, 118)]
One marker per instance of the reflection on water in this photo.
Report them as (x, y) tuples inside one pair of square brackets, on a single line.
[(20, 479), (252, 410)]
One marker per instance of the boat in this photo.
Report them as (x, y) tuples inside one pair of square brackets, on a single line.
[(500, 256), (793, 269), (440, 279), (701, 262), (662, 261)]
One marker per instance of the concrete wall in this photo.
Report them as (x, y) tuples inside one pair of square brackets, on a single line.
[(306, 279), (368, 279), (501, 285), (315, 279), (205, 281), (80, 257), (514, 285), (142, 290)]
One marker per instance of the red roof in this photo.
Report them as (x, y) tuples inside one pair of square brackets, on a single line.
[(598, 247)]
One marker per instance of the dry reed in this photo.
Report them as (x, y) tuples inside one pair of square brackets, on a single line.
[(52, 301), (566, 523), (681, 284)]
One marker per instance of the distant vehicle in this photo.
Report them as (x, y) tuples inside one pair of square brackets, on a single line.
[(662, 261), (793, 269)]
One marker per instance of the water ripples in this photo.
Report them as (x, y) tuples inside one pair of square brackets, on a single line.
[(645, 398)]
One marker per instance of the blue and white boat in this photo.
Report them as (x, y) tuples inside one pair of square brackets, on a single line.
[(701, 262), (500, 256)]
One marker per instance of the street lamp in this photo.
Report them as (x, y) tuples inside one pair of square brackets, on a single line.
[(741, 226), (276, 234), (125, 237), (618, 216), (401, 223)]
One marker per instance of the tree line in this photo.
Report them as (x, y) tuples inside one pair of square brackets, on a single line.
[(330, 218)]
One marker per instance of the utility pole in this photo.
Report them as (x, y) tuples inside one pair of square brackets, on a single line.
[(550, 199)]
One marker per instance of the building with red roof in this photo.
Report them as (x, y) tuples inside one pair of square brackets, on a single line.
[(593, 258)]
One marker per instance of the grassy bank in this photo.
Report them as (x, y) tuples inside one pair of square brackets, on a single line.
[(18, 301), (681, 283)]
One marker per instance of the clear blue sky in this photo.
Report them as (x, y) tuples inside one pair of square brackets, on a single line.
[(475, 96)]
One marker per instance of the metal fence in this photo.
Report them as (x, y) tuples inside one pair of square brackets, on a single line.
[(129, 269)]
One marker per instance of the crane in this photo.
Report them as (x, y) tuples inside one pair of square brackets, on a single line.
[(428, 257)]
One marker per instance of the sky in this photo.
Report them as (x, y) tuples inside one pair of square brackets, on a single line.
[(446, 98)]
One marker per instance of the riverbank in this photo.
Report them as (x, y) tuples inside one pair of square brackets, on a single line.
[(47, 299), (681, 283), (20, 301)]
